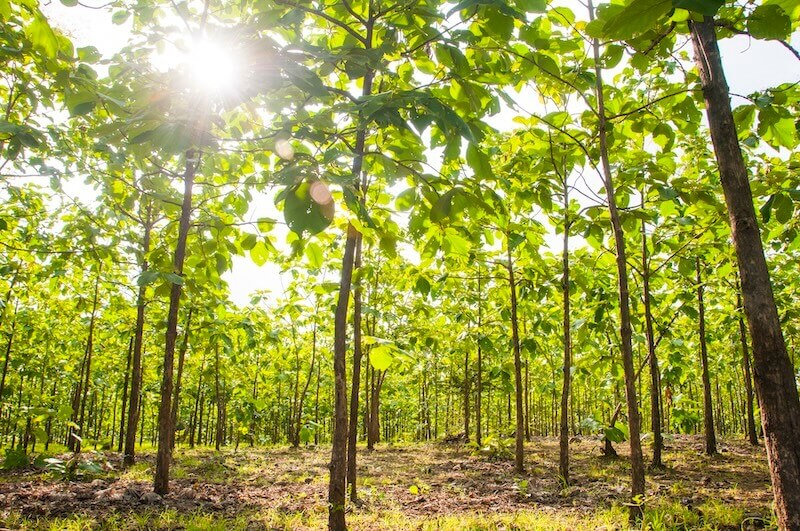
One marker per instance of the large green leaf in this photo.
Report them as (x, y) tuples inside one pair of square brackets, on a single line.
[(308, 207), (704, 7), (769, 22), (636, 18), (479, 162)]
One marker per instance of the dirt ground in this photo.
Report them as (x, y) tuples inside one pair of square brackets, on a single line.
[(416, 480)]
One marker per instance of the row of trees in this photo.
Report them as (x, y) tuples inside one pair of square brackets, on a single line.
[(521, 281)]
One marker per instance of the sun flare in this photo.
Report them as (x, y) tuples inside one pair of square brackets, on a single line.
[(212, 67)]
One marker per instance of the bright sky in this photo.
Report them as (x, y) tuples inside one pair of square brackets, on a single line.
[(751, 65)]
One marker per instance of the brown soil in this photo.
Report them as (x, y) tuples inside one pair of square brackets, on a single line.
[(417, 480)]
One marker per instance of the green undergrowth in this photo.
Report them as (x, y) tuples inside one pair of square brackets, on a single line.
[(674, 516)]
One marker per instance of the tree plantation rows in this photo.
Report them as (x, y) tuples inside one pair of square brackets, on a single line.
[(493, 220)]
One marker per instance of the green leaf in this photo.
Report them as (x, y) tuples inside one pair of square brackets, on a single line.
[(174, 278), (380, 357), (441, 209), (306, 435), (686, 267), (42, 35), (406, 199), (308, 207), (614, 434), (119, 17), (636, 18), (70, 3), (40, 434), (422, 286), (249, 241), (479, 162), (221, 264), (313, 252), (704, 7), (783, 207), (147, 278), (259, 254), (769, 22), (776, 127)]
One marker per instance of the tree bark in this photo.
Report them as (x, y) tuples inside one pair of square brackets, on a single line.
[(176, 399), (86, 372), (163, 455), (338, 466), (129, 457), (708, 407), (774, 374), (655, 375), (219, 427), (563, 437), (125, 384), (625, 329), (356, 384), (9, 344), (479, 369), (519, 447), (748, 379)]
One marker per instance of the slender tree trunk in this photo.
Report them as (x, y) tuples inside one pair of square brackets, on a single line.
[(374, 431), (708, 408), (479, 368), (466, 395), (748, 380), (176, 399), (774, 374), (136, 374), (519, 453), (338, 465), (356, 384), (655, 375), (316, 393), (219, 435), (125, 396), (9, 344), (163, 455), (197, 415), (87, 370), (625, 329), (301, 398), (563, 441)]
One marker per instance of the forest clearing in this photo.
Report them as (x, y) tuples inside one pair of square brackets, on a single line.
[(379, 264), (401, 486)]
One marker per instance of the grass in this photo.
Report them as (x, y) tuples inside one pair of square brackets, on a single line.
[(415, 487)]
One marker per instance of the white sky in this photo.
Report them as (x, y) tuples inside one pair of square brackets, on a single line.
[(751, 65)]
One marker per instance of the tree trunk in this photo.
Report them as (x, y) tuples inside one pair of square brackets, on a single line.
[(136, 374), (219, 432), (708, 408), (356, 384), (479, 369), (519, 450), (197, 414), (774, 374), (466, 395), (655, 375), (748, 379), (338, 465), (163, 455), (125, 383), (9, 344), (625, 329), (86, 372), (563, 440), (176, 399)]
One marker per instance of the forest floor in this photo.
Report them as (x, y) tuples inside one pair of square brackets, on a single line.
[(408, 486)]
